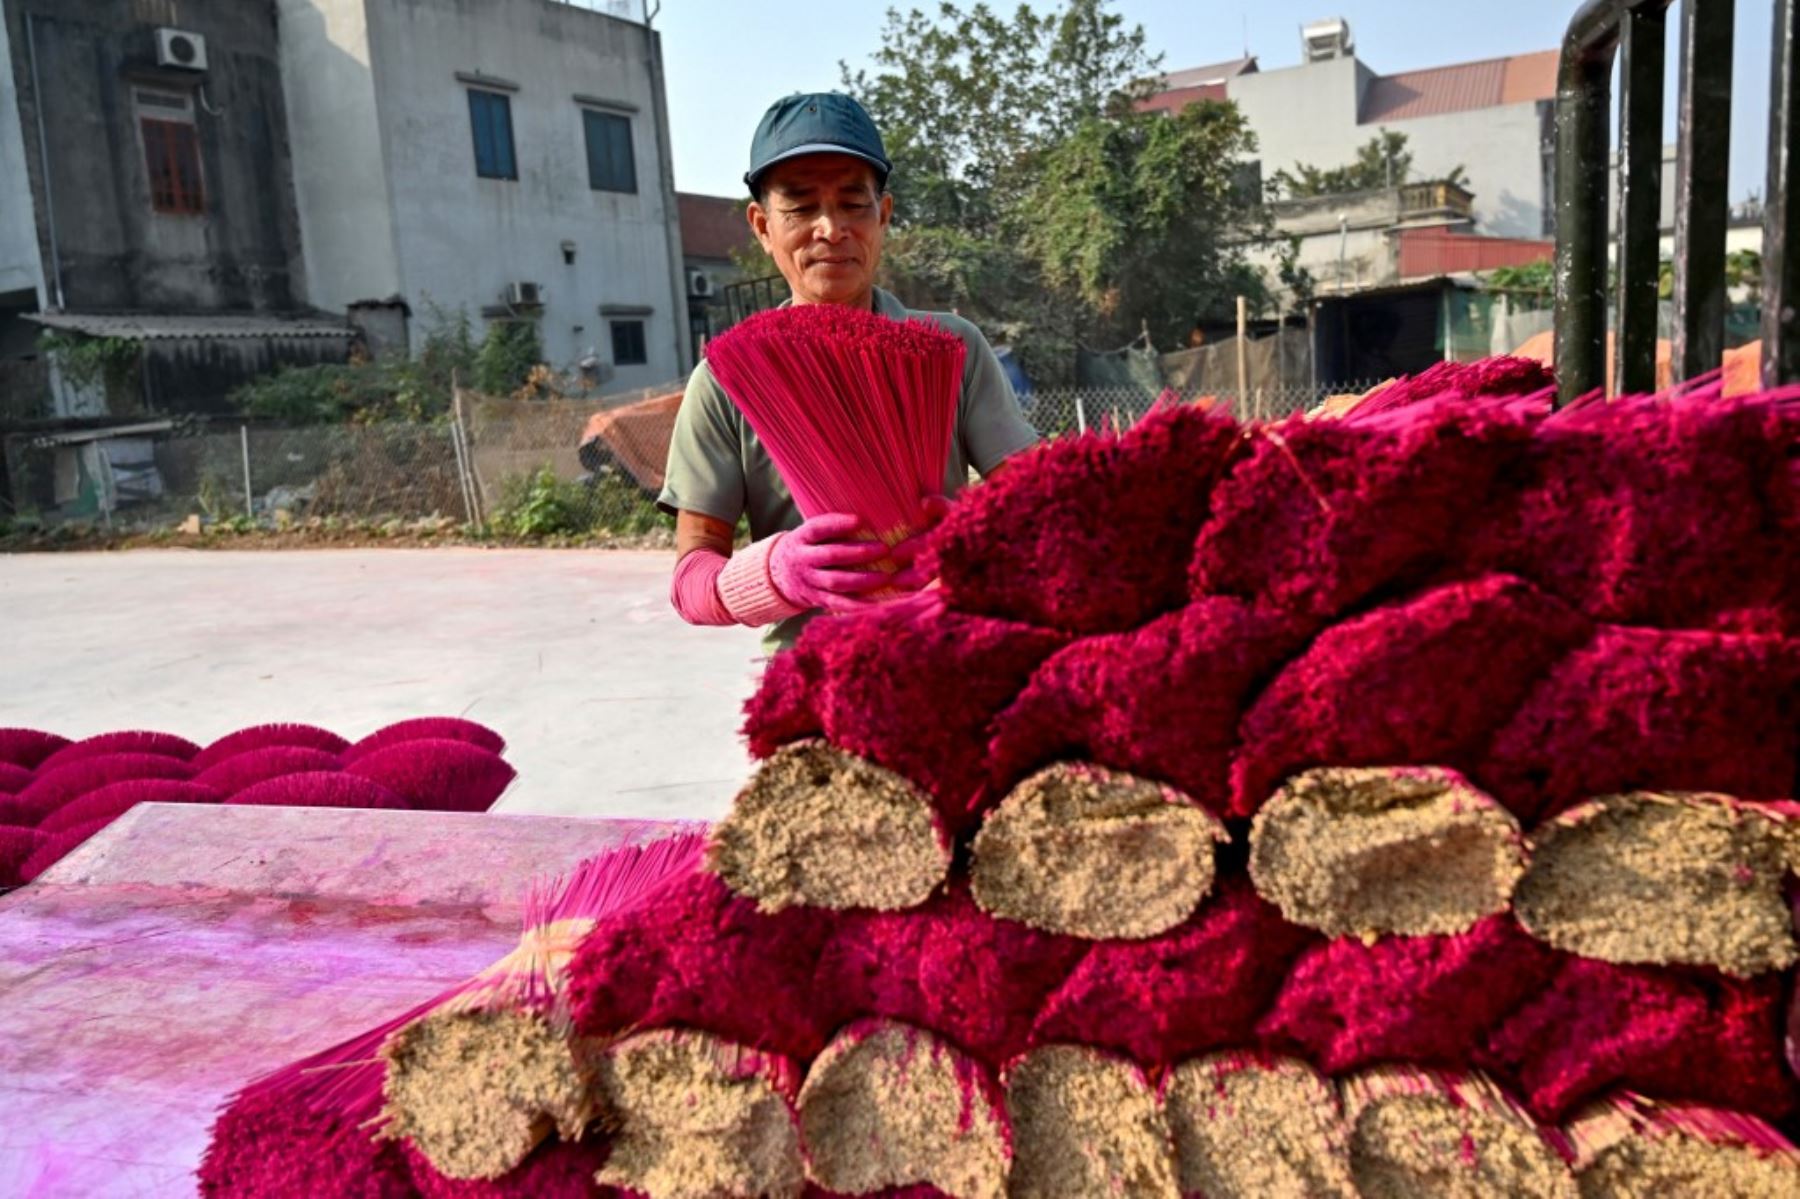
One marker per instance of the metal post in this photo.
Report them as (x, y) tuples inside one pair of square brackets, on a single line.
[(1642, 54), (1781, 209), (1449, 327), (1703, 167), (249, 496), (1583, 88), (1080, 414)]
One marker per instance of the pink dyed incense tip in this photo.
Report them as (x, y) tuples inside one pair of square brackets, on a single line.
[(251, 766), (56, 786), (130, 741), (28, 747), (266, 736), (1085, 533), (856, 410), (14, 778), (424, 728)]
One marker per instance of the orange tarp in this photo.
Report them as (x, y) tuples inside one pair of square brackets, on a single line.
[(1742, 365), (637, 435)]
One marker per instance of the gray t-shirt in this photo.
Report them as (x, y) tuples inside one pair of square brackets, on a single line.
[(717, 466)]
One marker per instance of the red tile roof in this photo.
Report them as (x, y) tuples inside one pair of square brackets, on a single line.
[(1460, 87), (711, 226), (1530, 77), (1176, 99)]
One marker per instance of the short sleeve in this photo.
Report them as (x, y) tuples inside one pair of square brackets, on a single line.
[(993, 426), (706, 467)]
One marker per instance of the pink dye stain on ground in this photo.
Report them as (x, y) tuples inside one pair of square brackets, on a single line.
[(187, 949)]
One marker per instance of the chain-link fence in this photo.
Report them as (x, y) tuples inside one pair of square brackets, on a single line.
[(512, 468), (1056, 413)]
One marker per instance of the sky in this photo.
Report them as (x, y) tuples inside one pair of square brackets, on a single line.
[(727, 60)]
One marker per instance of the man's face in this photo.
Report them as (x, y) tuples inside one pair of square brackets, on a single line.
[(822, 219)]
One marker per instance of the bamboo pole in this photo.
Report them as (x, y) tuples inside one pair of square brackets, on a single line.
[(1243, 351)]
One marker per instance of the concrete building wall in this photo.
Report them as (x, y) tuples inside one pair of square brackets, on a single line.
[(345, 208), (1366, 259), (1501, 150), (460, 239), (1305, 113), (1309, 114), (21, 267), (95, 58)]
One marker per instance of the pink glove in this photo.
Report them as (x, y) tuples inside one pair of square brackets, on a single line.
[(811, 567), (816, 565), (913, 575)]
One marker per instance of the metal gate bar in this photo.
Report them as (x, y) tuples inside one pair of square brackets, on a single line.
[(1642, 40), (1635, 31), (1781, 212), (1702, 178)]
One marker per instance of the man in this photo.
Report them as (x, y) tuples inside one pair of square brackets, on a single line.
[(818, 175)]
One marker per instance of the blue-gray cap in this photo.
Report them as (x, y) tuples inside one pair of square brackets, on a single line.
[(819, 123)]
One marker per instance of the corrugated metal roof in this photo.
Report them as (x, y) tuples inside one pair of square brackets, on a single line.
[(152, 326), (1431, 252), (1217, 72), (711, 226), (1461, 87)]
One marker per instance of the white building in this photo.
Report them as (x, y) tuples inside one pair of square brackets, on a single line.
[(509, 158), (1493, 118)]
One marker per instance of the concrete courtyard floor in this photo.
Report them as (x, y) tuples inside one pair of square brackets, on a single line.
[(610, 705)]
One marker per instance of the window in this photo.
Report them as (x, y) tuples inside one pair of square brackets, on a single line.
[(490, 116), (171, 152), (628, 343), (611, 167)]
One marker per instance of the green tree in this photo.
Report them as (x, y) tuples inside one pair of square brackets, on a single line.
[(1134, 216), (1382, 161), (966, 98), (507, 354), (1031, 195)]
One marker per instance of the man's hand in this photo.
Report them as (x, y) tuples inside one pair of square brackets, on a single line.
[(822, 564), (913, 575)]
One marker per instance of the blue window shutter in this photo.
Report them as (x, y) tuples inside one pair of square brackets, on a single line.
[(624, 169), (490, 117), (594, 133), (504, 136), (610, 165)]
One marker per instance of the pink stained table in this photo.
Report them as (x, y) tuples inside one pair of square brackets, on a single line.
[(186, 949)]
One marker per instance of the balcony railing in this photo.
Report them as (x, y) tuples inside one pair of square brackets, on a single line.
[(1437, 198)]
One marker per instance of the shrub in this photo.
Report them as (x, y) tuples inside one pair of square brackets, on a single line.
[(539, 505)]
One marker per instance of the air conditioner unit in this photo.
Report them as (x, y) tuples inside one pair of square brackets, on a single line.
[(524, 295), (700, 284), (179, 48)]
